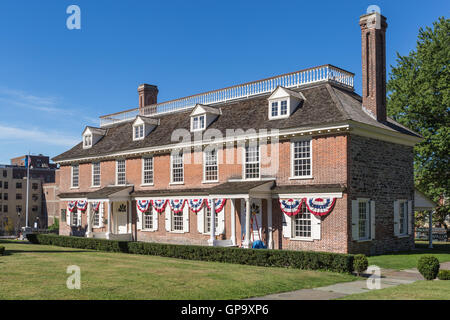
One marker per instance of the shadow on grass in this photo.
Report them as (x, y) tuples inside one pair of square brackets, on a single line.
[(10, 252), (421, 248)]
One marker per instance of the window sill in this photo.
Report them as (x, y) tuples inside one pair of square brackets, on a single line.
[(301, 178), (147, 184), (210, 181), (174, 231), (279, 117), (302, 239), (94, 187), (176, 183), (74, 187), (363, 240), (147, 230)]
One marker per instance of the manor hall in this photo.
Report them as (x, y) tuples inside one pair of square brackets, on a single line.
[(298, 161)]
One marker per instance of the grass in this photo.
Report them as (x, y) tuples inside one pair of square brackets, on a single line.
[(409, 259), (39, 272), (420, 290)]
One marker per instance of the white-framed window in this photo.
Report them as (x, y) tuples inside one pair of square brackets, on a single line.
[(278, 109), (301, 159), (147, 170), (96, 174), (210, 166), (252, 170), (96, 217), (87, 141), (363, 220), (177, 168), (74, 217), (403, 217), (301, 224), (207, 218), (120, 172), (274, 109), (75, 176), (138, 132), (177, 221), (147, 219), (198, 123)]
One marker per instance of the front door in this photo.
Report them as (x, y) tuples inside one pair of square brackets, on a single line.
[(255, 220), (121, 217)]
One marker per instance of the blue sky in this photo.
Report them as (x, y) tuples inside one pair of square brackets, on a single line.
[(54, 81)]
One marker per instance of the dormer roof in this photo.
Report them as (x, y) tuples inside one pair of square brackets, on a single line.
[(145, 120), (94, 130), (282, 92), (202, 109)]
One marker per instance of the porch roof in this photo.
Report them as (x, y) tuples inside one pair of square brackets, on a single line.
[(171, 192), (306, 188), (106, 192), (72, 195)]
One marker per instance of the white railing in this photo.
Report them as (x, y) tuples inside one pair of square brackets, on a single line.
[(289, 80)]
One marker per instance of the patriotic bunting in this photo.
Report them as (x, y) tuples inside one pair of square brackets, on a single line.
[(143, 205), (159, 205), (176, 205), (291, 207), (82, 205), (320, 206), (219, 204), (71, 205), (196, 204)]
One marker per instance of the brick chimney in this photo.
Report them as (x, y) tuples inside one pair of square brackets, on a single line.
[(148, 95), (373, 37)]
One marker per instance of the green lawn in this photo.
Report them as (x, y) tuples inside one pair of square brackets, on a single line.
[(39, 272), (408, 260), (420, 290)]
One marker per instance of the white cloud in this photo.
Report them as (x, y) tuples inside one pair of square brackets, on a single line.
[(11, 134)]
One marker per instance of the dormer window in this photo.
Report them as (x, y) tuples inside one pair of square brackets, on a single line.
[(87, 141), (283, 102), (139, 132), (198, 123)]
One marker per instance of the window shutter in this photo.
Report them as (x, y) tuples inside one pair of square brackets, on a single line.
[(69, 216), (287, 226), (410, 217), (155, 219), (186, 218), (139, 218), (372, 219), (79, 217), (168, 219), (316, 223), (355, 219), (220, 229), (201, 221), (101, 213), (396, 217)]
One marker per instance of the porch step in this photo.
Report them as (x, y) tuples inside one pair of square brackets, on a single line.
[(223, 243), (99, 235)]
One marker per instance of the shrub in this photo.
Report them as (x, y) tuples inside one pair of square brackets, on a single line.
[(266, 258), (360, 263), (54, 226), (428, 266), (2, 250), (444, 275)]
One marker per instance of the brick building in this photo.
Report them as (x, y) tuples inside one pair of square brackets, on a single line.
[(298, 161)]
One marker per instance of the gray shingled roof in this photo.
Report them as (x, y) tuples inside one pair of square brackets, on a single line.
[(324, 104)]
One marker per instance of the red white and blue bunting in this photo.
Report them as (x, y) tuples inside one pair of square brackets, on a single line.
[(291, 207), (317, 206), (82, 205), (159, 205), (196, 204), (320, 206), (143, 205), (219, 204), (177, 205), (96, 206), (71, 205)]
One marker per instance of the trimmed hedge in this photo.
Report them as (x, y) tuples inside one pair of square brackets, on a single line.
[(444, 275), (267, 258), (2, 250), (428, 266), (360, 263)]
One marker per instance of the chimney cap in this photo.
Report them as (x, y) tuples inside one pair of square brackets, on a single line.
[(146, 86)]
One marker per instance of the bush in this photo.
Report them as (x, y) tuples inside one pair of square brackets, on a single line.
[(2, 250), (360, 263), (54, 226), (444, 275), (428, 266), (266, 258)]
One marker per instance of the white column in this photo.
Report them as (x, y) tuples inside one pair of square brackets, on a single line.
[(247, 243), (109, 220), (269, 223), (129, 217), (430, 229), (233, 221), (89, 224), (213, 222)]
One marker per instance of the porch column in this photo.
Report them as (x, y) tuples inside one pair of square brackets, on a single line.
[(269, 223), (129, 217), (430, 229), (213, 222), (89, 223), (233, 221), (108, 233), (246, 243)]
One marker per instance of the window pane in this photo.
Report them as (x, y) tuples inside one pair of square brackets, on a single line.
[(211, 165), (121, 176), (274, 109), (177, 221), (148, 170), (283, 109), (177, 167), (302, 223), (252, 161), (363, 220), (147, 221), (75, 178), (302, 158), (96, 174)]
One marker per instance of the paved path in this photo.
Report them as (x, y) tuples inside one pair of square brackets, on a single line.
[(389, 278)]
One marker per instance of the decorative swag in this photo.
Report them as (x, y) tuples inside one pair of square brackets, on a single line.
[(317, 206), (177, 205), (80, 205)]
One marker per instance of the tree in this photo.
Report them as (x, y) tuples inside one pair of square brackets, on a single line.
[(419, 98)]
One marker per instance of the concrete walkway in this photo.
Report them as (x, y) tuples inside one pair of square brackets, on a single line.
[(389, 278)]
